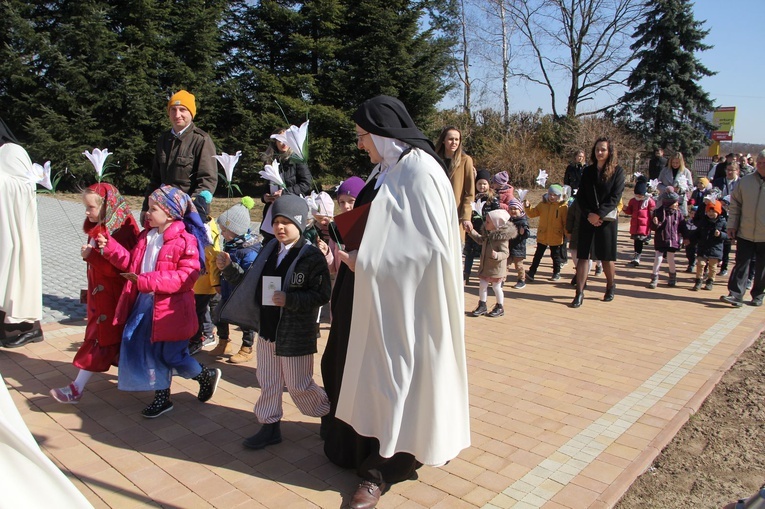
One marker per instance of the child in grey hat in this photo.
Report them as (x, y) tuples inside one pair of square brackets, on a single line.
[(242, 248), (280, 297)]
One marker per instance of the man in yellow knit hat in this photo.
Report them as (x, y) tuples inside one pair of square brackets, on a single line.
[(184, 155)]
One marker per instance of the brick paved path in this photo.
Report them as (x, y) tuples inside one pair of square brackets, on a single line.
[(568, 406)]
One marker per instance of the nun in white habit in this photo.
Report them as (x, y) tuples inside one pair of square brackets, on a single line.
[(20, 259), (404, 383)]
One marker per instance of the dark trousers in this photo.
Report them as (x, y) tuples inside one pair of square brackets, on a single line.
[(248, 336), (203, 316), (748, 253), (726, 254), (555, 255), (690, 253)]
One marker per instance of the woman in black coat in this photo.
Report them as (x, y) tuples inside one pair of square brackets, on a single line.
[(599, 194), (295, 174)]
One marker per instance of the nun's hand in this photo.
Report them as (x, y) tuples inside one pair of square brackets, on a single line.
[(349, 258)]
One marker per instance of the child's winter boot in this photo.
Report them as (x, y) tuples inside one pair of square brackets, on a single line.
[(696, 284), (480, 310), (654, 281), (672, 279)]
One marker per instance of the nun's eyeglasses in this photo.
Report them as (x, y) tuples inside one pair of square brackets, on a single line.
[(359, 136)]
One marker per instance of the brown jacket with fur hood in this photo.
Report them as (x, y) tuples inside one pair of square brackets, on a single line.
[(497, 241)]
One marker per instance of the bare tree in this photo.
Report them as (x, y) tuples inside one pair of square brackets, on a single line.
[(493, 33), (587, 41), (463, 64)]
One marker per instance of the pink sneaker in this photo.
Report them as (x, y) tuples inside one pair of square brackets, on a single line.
[(68, 394)]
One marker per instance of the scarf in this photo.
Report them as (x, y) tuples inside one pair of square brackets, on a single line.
[(179, 206), (116, 212)]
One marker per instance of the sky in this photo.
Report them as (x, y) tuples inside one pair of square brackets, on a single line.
[(737, 41)]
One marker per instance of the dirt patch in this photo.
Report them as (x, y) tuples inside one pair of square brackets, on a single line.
[(717, 457)]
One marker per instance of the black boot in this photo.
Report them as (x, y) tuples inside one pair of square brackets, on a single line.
[(269, 434), (578, 299), (496, 311), (696, 284), (480, 310), (159, 406), (208, 383)]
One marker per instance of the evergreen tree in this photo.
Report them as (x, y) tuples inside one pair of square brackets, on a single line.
[(665, 104)]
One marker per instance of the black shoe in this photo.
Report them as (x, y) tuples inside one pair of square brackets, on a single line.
[(598, 270), (696, 284), (269, 434), (691, 268), (32, 336), (480, 310), (159, 406), (208, 383), (609, 296), (530, 276), (520, 285), (756, 302), (496, 311), (555, 277), (195, 347), (733, 301), (709, 284), (723, 272), (578, 299)]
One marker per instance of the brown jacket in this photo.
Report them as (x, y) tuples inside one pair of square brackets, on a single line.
[(187, 163), (499, 242), (463, 184)]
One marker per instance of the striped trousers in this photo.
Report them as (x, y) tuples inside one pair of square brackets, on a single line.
[(296, 373)]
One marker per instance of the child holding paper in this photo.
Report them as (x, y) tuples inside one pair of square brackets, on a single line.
[(279, 296)]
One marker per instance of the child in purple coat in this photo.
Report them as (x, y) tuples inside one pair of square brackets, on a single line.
[(669, 224)]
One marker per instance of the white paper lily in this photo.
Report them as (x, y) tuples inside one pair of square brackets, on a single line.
[(542, 178), (97, 159), (228, 162), (316, 203), (295, 138), (271, 173), (637, 175), (41, 175), (478, 206), (522, 194), (653, 184)]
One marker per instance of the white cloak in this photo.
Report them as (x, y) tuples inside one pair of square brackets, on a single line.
[(405, 378), (20, 258)]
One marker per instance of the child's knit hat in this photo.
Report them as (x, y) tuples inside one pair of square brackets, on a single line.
[(516, 204), (483, 175), (641, 186), (351, 186), (501, 179), (670, 198), (292, 207), (498, 217), (237, 218), (555, 189), (716, 206)]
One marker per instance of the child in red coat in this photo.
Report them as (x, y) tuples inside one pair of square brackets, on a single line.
[(641, 209), (107, 215), (157, 304)]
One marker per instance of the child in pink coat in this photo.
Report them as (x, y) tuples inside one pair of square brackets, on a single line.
[(157, 304), (641, 209)]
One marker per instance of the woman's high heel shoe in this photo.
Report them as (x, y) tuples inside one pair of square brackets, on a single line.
[(609, 296), (578, 299)]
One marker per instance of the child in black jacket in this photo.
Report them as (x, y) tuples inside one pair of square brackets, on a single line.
[(710, 234), (279, 296)]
